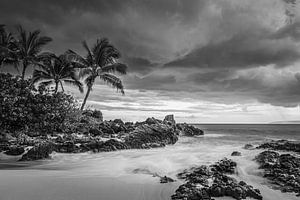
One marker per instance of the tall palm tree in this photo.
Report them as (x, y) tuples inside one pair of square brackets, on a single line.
[(30, 45), (100, 61), (55, 70), (8, 47)]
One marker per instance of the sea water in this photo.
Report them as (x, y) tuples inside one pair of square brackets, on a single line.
[(134, 174)]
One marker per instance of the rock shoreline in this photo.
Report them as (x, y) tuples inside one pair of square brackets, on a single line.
[(281, 168), (205, 182), (93, 134)]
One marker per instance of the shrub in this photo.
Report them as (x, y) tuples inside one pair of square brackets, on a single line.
[(22, 107)]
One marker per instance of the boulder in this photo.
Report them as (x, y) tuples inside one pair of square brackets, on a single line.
[(15, 151), (95, 132), (248, 146), (166, 179), (169, 120), (40, 151), (153, 133), (189, 130), (236, 153)]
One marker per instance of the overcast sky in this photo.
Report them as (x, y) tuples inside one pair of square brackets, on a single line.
[(205, 61)]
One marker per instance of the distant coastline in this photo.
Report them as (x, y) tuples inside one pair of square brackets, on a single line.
[(286, 122)]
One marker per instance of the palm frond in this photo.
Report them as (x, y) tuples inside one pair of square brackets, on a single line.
[(113, 81), (90, 55), (77, 60), (47, 83), (75, 83), (85, 72), (116, 67), (89, 81)]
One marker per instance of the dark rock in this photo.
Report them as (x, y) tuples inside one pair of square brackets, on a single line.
[(95, 132), (109, 145), (97, 114), (166, 179), (248, 146), (282, 145), (198, 187), (106, 128), (119, 121), (151, 121), (15, 151), (153, 133), (169, 120), (189, 130), (282, 170), (236, 153), (40, 151)]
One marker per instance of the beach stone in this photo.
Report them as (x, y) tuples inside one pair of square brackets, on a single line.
[(236, 153)]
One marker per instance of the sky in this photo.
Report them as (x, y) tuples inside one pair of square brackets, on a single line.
[(205, 61)]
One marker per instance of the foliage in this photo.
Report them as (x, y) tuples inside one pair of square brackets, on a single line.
[(100, 61), (22, 107), (8, 47), (30, 45), (55, 70)]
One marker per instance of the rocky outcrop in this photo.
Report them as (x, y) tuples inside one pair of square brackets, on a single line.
[(205, 182), (282, 170), (282, 145), (145, 135), (91, 133), (189, 130)]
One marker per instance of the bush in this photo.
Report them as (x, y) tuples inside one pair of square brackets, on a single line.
[(24, 107)]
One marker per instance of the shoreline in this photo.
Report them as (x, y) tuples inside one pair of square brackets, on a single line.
[(155, 180)]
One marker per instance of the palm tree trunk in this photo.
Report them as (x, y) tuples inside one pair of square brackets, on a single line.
[(62, 87), (85, 98), (56, 87), (24, 70)]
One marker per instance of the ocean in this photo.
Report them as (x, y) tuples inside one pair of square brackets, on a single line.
[(129, 174)]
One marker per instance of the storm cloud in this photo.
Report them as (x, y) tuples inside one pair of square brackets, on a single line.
[(217, 51)]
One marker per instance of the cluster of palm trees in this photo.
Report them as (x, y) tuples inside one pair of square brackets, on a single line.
[(24, 49)]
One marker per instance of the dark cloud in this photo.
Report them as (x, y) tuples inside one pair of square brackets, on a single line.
[(139, 65), (208, 46), (242, 51), (151, 82)]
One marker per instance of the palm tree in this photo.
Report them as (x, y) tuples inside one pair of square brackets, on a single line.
[(8, 47), (100, 61), (55, 70), (30, 45)]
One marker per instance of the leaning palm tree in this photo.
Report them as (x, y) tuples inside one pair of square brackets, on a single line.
[(30, 45), (8, 48), (55, 70), (100, 61)]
